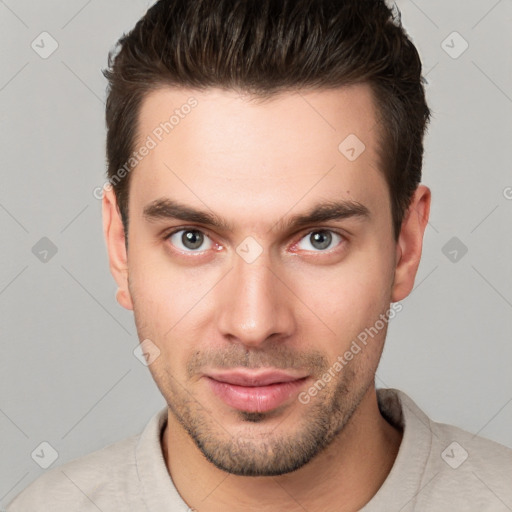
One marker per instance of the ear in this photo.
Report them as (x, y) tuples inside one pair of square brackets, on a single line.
[(410, 243), (113, 231)]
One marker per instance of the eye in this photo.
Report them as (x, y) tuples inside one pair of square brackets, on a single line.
[(320, 241), (190, 240)]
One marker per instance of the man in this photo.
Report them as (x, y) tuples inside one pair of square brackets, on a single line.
[(264, 218)]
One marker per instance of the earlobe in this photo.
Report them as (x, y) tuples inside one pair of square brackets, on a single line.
[(123, 298), (113, 231), (410, 243)]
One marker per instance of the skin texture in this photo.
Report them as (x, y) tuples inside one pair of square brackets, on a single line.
[(296, 307)]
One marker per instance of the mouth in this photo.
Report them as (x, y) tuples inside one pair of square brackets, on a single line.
[(255, 392)]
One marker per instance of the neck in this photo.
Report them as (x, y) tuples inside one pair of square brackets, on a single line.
[(343, 478)]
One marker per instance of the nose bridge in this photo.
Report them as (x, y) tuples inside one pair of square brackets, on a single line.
[(254, 304)]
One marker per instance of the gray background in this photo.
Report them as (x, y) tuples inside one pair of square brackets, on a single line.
[(68, 373)]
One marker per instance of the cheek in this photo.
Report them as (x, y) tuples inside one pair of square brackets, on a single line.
[(163, 290), (171, 306), (362, 286), (347, 298)]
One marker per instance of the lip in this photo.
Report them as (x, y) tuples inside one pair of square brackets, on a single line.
[(250, 379), (255, 391)]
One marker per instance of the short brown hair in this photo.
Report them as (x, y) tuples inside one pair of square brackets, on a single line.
[(264, 47)]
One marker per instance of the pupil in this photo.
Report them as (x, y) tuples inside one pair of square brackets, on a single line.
[(192, 239), (321, 239)]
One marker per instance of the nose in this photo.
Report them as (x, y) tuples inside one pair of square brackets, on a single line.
[(254, 305)]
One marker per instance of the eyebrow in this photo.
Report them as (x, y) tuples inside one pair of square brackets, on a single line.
[(166, 208)]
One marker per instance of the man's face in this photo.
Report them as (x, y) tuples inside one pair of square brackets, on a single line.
[(257, 292)]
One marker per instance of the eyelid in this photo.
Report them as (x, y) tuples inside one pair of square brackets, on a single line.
[(172, 231), (168, 234), (304, 234)]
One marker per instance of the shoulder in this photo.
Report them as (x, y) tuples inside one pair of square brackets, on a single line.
[(441, 466), (466, 470), (84, 483), (450, 445), (467, 453)]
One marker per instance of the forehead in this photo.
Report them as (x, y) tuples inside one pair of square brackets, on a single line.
[(216, 147)]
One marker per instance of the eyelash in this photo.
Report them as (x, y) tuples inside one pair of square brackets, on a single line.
[(343, 237)]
